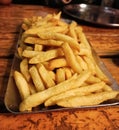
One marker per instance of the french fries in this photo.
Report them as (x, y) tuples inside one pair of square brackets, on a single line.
[(88, 100), (57, 66), (85, 90)]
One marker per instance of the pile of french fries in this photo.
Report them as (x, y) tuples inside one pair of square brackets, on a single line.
[(57, 66)]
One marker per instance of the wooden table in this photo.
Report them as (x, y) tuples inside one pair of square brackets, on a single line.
[(105, 42)]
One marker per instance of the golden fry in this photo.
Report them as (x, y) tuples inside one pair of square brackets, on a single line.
[(93, 79), (70, 58), (57, 63), (38, 47), (60, 75), (101, 75), (46, 55), (61, 37), (48, 81), (35, 40), (30, 53), (24, 69), (68, 72), (22, 85), (36, 79), (32, 88), (72, 31), (82, 63), (52, 75), (90, 64)]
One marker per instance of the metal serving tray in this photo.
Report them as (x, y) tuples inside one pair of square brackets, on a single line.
[(12, 97), (98, 15)]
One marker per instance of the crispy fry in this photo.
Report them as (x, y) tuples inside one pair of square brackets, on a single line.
[(36, 79), (32, 88), (38, 47), (72, 31), (46, 55), (39, 30), (70, 58), (52, 75), (90, 64), (48, 81), (93, 79), (20, 50), (58, 36), (82, 63), (57, 63), (101, 75), (22, 85), (24, 69), (60, 75), (30, 53), (68, 72), (35, 40)]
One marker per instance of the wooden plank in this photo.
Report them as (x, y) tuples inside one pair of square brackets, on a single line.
[(76, 119)]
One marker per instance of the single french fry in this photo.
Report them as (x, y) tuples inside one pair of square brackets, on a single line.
[(84, 90), (20, 50), (68, 72), (61, 37), (107, 88), (60, 75), (48, 81), (39, 30), (52, 75), (39, 85), (30, 53), (84, 51), (24, 69), (27, 21), (72, 31), (93, 79), (25, 26), (35, 40), (32, 88), (29, 48), (22, 85), (46, 55), (71, 58), (79, 31), (84, 41), (57, 63), (38, 47), (90, 64), (88, 100), (101, 75), (82, 63)]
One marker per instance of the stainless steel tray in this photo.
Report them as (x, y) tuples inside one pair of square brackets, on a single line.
[(12, 97), (99, 15)]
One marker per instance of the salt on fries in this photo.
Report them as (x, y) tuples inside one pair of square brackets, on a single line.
[(57, 66)]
